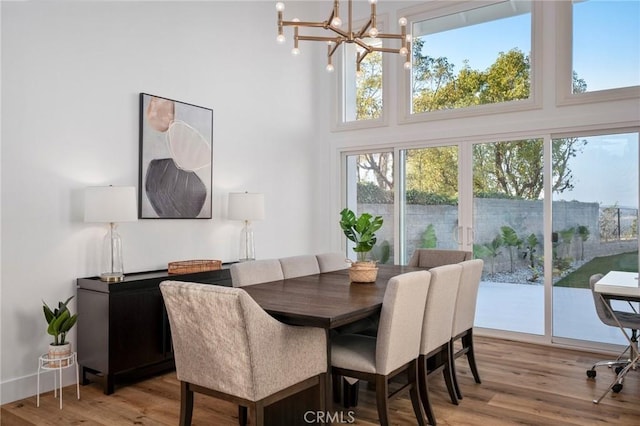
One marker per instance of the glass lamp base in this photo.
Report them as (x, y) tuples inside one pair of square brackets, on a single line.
[(112, 277), (247, 246)]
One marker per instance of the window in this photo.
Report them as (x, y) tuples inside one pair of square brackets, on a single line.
[(606, 45), (365, 102), (369, 189), (463, 59)]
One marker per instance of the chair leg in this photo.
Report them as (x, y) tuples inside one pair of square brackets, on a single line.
[(350, 393), (259, 413), (424, 389), (467, 342), (186, 404), (454, 374), (447, 372), (242, 415), (382, 390), (337, 389), (414, 391)]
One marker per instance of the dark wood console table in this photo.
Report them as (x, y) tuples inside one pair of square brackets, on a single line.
[(123, 329)]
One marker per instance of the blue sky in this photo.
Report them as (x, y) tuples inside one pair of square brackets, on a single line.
[(606, 55), (606, 42), (606, 171)]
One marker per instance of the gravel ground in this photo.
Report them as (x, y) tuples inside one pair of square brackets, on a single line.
[(523, 275)]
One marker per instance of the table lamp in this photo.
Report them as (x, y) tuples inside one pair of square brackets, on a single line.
[(246, 207), (111, 204)]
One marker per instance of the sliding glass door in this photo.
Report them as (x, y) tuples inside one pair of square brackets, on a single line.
[(508, 217), (430, 196), (595, 227)]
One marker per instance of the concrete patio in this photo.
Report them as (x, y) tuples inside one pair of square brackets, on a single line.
[(520, 308)]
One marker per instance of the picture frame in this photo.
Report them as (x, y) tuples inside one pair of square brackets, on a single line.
[(176, 159)]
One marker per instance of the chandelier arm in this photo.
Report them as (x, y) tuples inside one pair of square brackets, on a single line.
[(364, 29), (360, 58), (387, 35), (384, 49), (319, 38), (332, 49), (305, 24), (362, 44)]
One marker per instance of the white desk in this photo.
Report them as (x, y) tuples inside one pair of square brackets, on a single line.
[(617, 283)]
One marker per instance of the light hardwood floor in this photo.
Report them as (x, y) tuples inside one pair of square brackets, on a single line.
[(521, 384)]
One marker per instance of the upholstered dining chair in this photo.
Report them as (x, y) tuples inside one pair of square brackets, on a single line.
[(430, 258), (228, 347), (299, 266), (436, 353), (619, 319), (464, 316), (256, 271), (396, 347), (329, 262)]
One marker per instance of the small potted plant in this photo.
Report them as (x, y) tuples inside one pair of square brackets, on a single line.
[(362, 231), (59, 322)]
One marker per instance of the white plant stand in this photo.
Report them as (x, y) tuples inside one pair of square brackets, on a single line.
[(57, 365)]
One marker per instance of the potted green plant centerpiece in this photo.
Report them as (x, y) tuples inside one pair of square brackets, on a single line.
[(362, 231), (59, 322)]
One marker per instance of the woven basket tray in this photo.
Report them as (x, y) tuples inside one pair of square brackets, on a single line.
[(191, 266)]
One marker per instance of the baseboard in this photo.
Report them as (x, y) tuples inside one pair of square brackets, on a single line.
[(26, 386)]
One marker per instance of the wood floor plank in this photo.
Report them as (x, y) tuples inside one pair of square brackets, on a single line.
[(522, 384)]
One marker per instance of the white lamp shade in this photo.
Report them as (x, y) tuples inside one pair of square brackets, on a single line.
[(111, 204), (246, 206)]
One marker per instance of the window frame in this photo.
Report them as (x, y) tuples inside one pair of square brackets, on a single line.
[(339, 107), (564, 66), (430, 11)]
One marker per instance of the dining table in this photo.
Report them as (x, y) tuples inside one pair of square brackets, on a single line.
[(326, 300)]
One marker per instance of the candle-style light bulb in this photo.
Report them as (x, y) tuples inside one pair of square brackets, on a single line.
[(279, 6), (280, 39)]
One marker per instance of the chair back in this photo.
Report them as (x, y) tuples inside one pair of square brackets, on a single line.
[(255, 272), (299, 266), (601, 305), (465, 310), (211, 342), (329, 262), (441, 302), (400, 324), (431, 258), (224, 341)]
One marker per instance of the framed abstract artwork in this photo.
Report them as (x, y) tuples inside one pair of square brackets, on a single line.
[(176, 159)]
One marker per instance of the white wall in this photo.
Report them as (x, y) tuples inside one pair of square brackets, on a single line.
[(71, 75)]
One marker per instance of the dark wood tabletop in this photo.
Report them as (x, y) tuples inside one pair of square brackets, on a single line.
[(326, 300)]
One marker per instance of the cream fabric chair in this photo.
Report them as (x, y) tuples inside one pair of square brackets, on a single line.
[(329, 262), (256, 271), (396, 347), (430, 258), (228, 347), (299, 266), (436, 353), (464, 316)]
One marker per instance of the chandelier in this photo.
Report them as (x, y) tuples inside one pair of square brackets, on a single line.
[(366, 38)]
